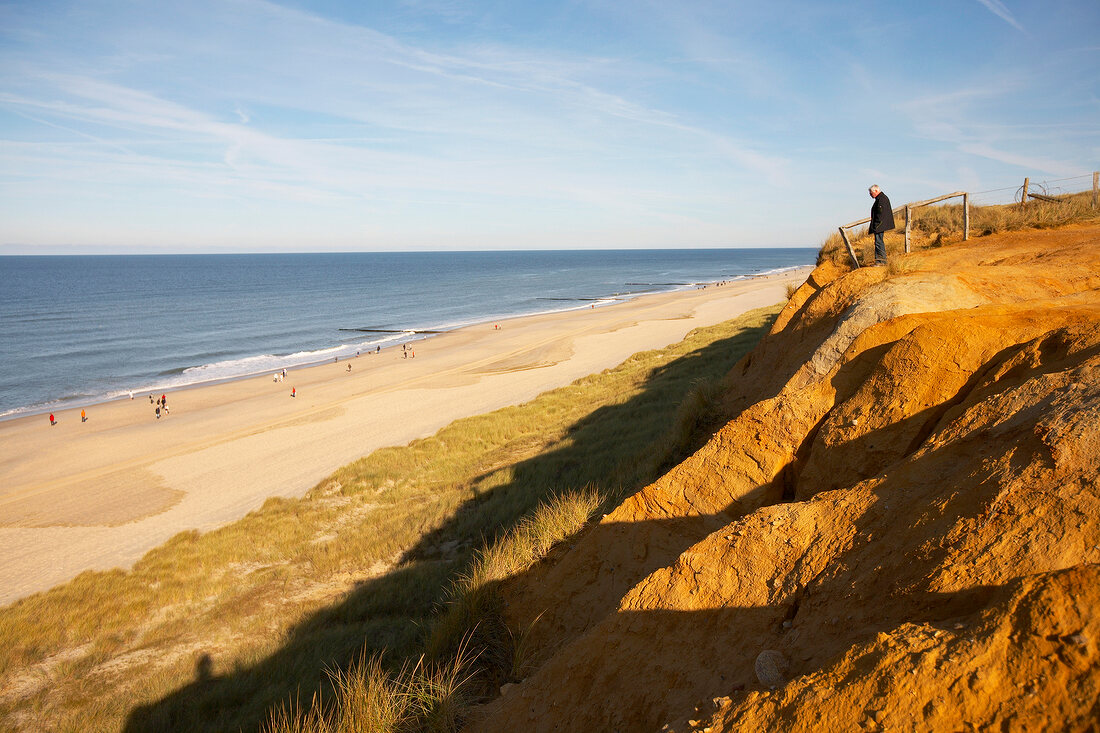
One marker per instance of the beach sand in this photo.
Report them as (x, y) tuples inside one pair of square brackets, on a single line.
[(97, 495)]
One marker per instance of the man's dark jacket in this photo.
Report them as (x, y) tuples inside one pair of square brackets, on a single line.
[(882, 216)]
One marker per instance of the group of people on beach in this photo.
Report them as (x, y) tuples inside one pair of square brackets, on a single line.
[(162, 405), (161, 408)]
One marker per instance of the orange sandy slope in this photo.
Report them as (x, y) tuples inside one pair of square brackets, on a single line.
[(900, 529)]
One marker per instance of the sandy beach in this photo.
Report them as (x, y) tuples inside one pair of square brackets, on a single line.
[(98, 494)]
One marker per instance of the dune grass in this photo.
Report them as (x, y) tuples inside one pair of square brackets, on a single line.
[(425, 697), (936, 226), (284, 611)]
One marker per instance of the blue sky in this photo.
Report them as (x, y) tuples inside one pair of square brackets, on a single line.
[(247, 125)]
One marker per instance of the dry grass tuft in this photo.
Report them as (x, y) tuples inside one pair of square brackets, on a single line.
[(426, 697), (473, 611)]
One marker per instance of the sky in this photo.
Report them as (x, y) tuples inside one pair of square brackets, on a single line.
[(340, 125)]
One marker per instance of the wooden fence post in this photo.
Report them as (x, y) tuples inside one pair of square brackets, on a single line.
[(908, 222), (966, 216), (1023, 199), (1095, 187), (851, 252)]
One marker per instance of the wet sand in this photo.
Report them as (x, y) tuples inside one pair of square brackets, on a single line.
[(99, 494)]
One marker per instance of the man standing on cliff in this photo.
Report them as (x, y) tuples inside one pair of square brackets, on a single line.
[(882, 220)]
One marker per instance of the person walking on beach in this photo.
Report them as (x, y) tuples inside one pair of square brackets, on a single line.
[(882, 220), (52, 420), (83, 416), (293, 392)]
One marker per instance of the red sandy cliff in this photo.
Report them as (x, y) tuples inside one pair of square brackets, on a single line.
[(899, 530)]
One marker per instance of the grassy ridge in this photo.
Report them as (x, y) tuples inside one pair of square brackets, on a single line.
[(222, 630), (935, 226)]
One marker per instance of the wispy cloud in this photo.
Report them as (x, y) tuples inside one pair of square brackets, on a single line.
[(1022, 160), (431, 116), (969, 119), (998, 8), (458, 121)]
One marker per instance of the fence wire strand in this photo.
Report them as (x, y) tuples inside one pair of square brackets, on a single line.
[(1037, 183)]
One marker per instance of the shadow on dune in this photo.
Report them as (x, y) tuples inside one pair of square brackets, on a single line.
[(391, 613), (650, 665)]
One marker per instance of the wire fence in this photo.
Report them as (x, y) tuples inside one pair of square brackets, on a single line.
[(1053, 187)]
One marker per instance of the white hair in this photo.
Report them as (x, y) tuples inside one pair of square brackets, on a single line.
[(874, 187)]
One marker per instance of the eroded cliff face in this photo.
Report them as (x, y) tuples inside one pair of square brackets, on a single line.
[(900, 528)]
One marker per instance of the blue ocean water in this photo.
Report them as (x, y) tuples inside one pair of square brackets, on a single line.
[(81, 329)]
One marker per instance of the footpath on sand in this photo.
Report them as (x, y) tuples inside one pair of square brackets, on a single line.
[(97, 495)]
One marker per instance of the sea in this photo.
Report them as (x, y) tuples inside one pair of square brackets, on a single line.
[(82, 329)]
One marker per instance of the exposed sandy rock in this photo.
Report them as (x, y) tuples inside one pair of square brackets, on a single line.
[(899, 529)]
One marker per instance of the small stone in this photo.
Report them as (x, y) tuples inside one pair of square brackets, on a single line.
[(787, 624), (719, 702), (1079, 639), (771, 668), (506, 686)]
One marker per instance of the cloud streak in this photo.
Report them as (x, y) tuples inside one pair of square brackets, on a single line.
[(998, 8), (693, 126), (429, 120)]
